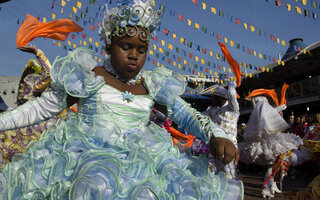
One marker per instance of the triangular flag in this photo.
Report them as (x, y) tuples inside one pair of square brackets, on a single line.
[(79, 4)]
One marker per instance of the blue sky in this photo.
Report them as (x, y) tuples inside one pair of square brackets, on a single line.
[(264, 19)]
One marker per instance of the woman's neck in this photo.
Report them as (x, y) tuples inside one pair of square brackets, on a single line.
[(109, 68)]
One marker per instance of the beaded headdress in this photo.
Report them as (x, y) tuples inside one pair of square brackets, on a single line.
[(137, 13)]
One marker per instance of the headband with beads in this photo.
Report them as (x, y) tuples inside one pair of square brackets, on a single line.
[(125, 19)]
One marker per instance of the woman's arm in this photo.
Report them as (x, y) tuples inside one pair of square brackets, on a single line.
[(201, 126), (32, 112)]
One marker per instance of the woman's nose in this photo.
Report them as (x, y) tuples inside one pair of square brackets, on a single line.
[(133, 54)]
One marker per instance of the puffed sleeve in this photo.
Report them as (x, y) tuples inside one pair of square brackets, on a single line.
[(74, 73)]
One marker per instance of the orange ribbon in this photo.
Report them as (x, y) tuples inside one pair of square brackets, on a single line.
[(58, 30), (283, 94), (232, 62), (270, 92)]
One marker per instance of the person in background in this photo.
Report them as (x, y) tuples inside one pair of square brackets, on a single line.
[(264, 137), (34, 80), (224, 111)]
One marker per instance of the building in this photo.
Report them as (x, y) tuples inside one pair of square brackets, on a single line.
[(300, 70), (9, 90)]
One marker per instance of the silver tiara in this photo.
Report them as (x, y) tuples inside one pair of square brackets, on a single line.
[(137, 13)]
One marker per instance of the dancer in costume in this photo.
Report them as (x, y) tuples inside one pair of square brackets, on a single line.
[(264, 138), (224, 111), (108, 150), (34, 81)]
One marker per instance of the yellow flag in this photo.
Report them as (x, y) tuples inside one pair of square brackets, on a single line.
[(69, 43), (196, 25), (170, 46), (174, 63), (163, 42), (95, 57), (202, 61), (97, 44), (181, 40), (189, 22), (80, 42), (210, 53), (283, 43), (174, 36), (179, 65), (154, 47), (217, 56), (196, 58), (70, 15), (54, 42), (204, 6), (224, 69), (213, 10), (44, 19), (231, 43), (61, 10), (245, 25), (298, 10), (63, 3), (226, 40), (79, 4), (252, 28), (74, 45), (304, 2), (59, 44), (184, 62), (150, 52), (100, 60), (260, 55), (74, 9), (289, 7), (90, 39), (254, 53), (161, 50), (215, 73), (278, 40), (53, 16), (210, 71), (85, 43)]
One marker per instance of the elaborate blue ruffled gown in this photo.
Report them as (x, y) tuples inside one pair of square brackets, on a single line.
[(109, 150)]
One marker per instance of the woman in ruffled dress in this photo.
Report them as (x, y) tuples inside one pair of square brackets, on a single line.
[(109, 150)]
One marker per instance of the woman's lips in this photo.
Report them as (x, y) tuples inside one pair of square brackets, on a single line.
[(132, 66)]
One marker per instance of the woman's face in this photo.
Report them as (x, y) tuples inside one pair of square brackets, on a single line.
[(128, 55)]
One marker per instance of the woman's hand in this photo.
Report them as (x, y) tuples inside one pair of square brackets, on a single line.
[(224, 150), (29, 49)]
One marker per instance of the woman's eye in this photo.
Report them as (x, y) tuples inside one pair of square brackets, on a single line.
[(124, 46), (143, 50)]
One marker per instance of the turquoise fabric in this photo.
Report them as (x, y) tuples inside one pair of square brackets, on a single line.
[(109, 150)]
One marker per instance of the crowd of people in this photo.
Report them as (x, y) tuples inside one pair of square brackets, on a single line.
[(83, 131)]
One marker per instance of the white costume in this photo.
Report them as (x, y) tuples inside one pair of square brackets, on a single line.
[(264, 139), (226, 117)]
